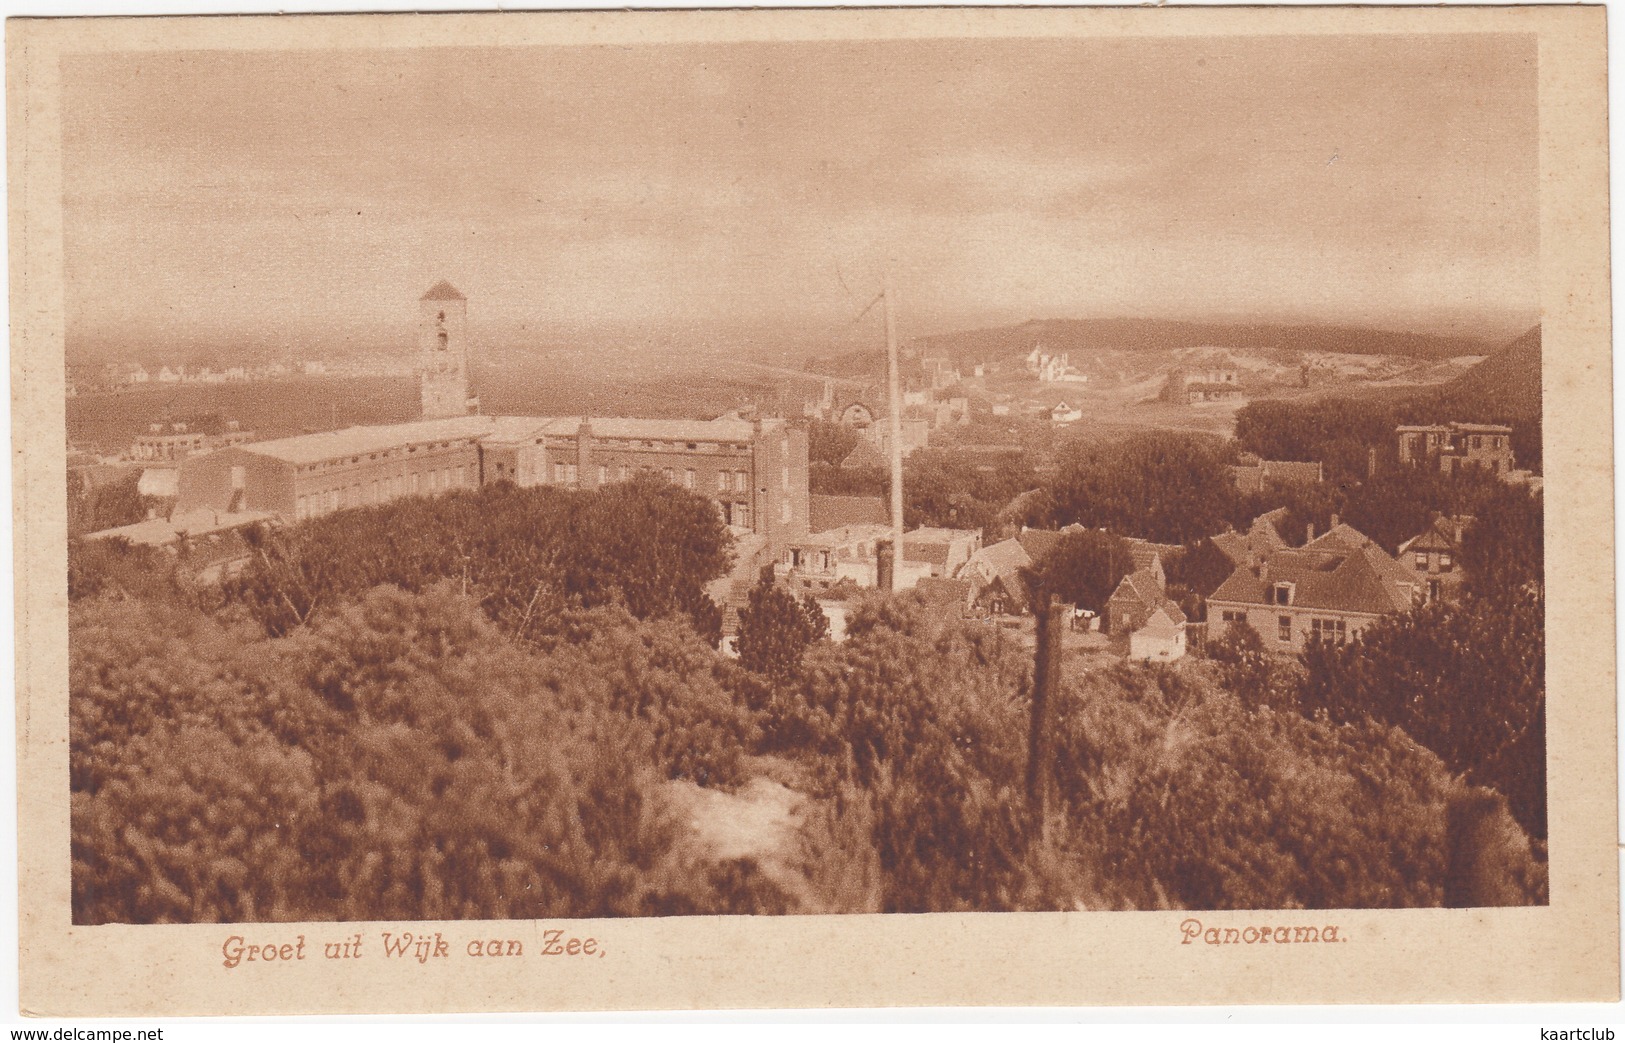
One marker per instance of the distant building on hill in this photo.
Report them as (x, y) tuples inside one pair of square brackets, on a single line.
[(168, 442), (1450, 447), (1215, 383), (1054, 369)]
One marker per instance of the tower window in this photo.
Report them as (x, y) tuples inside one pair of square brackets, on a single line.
[(443, 340)]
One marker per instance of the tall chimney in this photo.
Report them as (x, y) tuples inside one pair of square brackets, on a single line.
[(586, 477), (885, 565), (1309, 533)]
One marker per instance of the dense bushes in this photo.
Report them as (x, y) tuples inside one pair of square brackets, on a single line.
[(1194, 800), (397, 759), (1340, 432), (527, 554), (1172, 791), (93, 507), (476, 706), (1163, 486), (1466, 678), (925, 720)]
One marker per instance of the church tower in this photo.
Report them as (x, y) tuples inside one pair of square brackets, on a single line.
[(443, 351)]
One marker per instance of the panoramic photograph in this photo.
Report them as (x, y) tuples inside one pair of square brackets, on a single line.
[(812, 477)]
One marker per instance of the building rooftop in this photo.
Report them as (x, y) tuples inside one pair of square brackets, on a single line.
[(443, 291), (1006, 555), (1253, 477), (1471, 429), (352, 441), (1362, 580), (159, 532), (830, 512), (1165, 622), (846, 535), (720, 430)]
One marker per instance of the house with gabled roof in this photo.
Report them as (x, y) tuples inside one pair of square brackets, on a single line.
[(1330, 589), (1138, 596), (1434, 555), (1148, 556), (995, 572), (1040, 543), (946, 598), (1262, 537), (1162, 638)]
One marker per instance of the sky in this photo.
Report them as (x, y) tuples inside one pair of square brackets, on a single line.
[(696, 191)]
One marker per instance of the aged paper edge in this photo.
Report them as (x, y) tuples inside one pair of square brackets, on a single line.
[(1568, 951)]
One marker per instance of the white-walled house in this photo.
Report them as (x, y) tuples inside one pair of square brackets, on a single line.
[(1161, 640)]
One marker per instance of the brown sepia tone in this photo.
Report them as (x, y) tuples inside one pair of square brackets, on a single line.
[(752, 478)]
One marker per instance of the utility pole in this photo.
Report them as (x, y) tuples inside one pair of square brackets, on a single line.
[(1046, 681), (896, 409)]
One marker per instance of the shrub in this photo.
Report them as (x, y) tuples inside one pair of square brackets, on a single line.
[(396, 759), (1194, 800)]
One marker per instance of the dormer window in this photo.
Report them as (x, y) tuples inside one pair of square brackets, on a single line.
[(1282, 593)]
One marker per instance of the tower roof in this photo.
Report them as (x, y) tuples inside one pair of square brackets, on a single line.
[(443, 291)]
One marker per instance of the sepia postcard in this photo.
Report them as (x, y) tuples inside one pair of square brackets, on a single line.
[(809, 508)]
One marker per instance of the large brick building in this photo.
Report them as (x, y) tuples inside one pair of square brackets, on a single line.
[(755, 471)]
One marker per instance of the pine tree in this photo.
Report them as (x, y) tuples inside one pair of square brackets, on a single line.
[(775, 630)]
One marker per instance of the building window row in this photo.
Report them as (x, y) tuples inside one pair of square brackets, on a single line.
[(1446, 562), (386, 454), (1333, 631), (382, 490)]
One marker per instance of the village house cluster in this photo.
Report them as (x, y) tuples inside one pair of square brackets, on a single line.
[(1054, 368), (1330, 588), (121, 376), (221, 480), (933, 400)]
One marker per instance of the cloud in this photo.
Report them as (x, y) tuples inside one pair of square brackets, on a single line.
[(1378, 179)]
